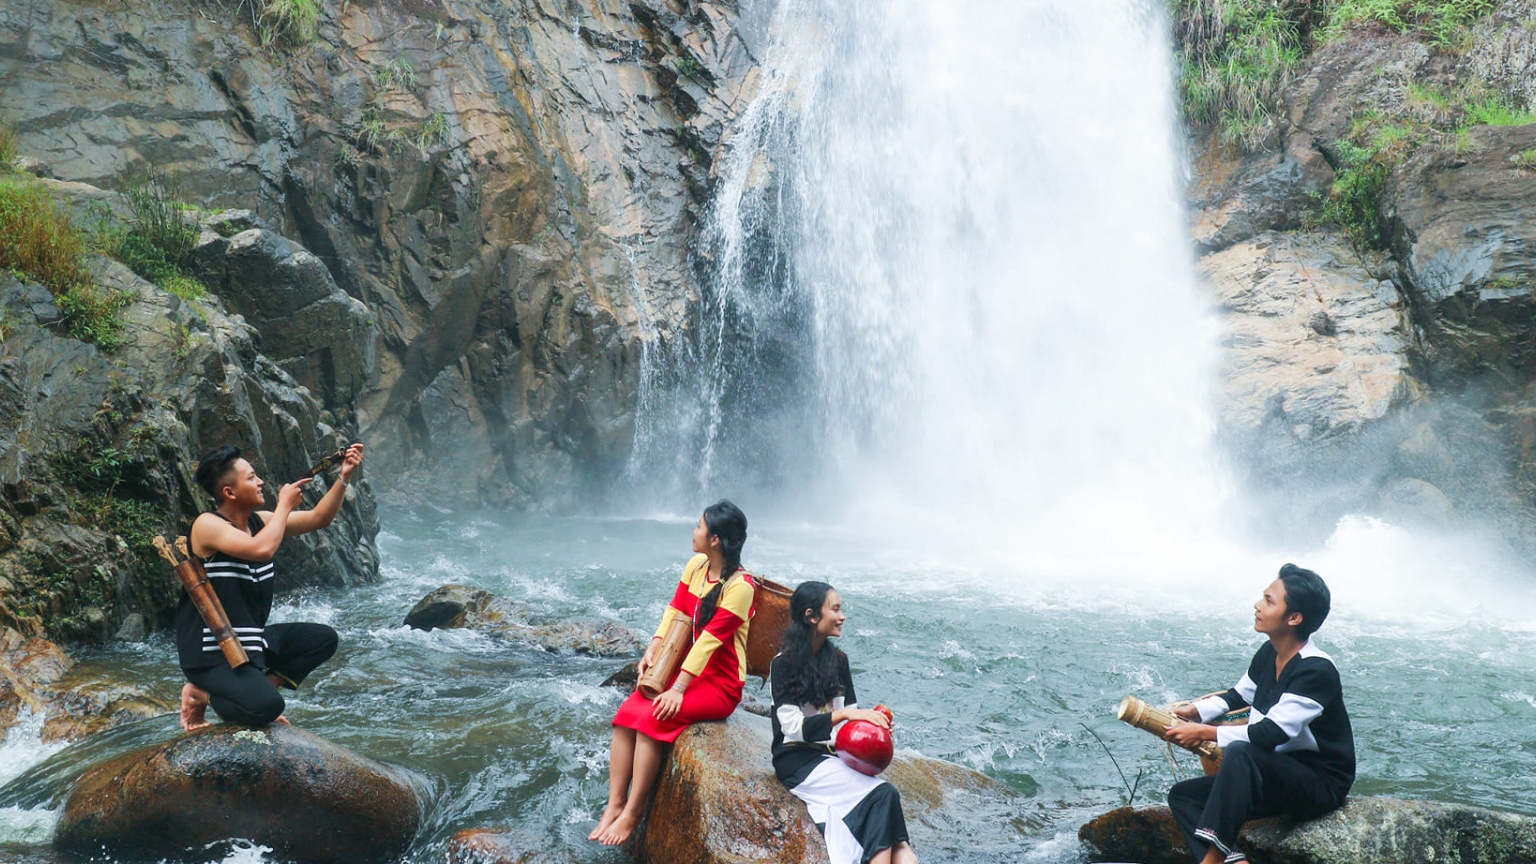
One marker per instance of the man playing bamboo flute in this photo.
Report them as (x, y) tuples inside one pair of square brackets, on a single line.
[(1296, 755), (237, 541)]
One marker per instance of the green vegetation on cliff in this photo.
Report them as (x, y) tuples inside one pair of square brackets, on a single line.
[(1237, 56), (158, 244), (40, 243)]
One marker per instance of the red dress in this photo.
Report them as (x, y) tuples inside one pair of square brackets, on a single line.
[(717, 660)]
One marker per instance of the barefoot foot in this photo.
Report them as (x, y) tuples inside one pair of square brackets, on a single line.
[(618, 830), (194, 705), (610, 813)]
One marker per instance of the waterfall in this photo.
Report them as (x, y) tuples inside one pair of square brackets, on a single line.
[(949, 282)]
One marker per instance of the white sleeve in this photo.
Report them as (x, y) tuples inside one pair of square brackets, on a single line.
[(792, 723)]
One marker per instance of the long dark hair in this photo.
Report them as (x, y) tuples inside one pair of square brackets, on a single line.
[(726, 521), (810, 678)]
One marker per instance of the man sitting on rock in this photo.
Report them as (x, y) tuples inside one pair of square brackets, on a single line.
[(237, 541), (1296, 755)]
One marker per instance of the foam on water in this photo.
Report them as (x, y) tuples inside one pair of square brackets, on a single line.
[(21, 749)]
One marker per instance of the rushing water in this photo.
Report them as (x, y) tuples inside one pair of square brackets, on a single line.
[(1006, 680)]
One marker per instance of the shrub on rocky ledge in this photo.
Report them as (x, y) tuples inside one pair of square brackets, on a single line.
[(40, 243)]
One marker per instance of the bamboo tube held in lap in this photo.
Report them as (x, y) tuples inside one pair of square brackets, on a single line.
[(1155, 720), (669, 656), (190, 570)]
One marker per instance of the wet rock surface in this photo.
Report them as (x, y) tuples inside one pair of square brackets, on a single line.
[(39, 678), (306, 798), (718, 801), (1317, 345), (1364, 829), (499, 846), (463, 606)]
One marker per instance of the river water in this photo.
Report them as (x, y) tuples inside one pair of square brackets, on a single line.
[(996, 666), (951, 357)]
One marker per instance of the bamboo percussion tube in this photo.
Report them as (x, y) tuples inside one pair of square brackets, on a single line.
[(669, 656), (1155, 720), (190, 571)]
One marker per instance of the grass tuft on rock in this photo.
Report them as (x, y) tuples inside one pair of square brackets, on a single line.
[(295, 22), (8, 150), (1236, 57), (158, 244)]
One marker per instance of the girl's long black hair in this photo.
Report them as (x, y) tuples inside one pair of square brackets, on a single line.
[(809, 678), (726, 521)]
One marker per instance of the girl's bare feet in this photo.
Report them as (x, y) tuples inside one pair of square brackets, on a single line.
[(610, 813), (618, 830), (194, 705)]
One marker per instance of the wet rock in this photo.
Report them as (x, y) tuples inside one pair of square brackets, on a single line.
[(310, 327), (718, 801), (625, 679), (38, 677), (132, 629), (1414, 503), (306, 798), (1144, 834), (1238, 196), (1463, 221), (1364, 829), (463, 606), (1317, 345), (500, 846)]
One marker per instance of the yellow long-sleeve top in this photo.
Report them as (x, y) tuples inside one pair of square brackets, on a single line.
[(727, 627)]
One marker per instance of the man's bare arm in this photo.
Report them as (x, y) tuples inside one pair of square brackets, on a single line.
[(324, 512)]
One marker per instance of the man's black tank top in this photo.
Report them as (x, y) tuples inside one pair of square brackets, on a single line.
[(245, 590)]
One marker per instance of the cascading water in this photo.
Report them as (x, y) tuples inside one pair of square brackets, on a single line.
[(949, 269)]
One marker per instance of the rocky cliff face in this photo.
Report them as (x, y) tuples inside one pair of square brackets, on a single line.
[(1399, 377), (504, 185), (97, 448)]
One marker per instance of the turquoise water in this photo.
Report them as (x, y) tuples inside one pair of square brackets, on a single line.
[(991, 665)]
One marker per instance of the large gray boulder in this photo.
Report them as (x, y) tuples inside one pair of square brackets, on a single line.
[(1364, 829), (308, 326), (310, 801)]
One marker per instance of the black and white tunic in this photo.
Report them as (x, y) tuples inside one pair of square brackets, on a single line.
[(858, 815), (1301, 713), (244, 588)]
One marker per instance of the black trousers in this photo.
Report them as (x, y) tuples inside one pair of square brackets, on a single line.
[(1253, 783), (245, 695)]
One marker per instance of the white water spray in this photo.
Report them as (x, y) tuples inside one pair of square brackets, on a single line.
[(978, 213)]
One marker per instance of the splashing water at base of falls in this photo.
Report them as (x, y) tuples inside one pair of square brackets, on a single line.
[(951, 285)]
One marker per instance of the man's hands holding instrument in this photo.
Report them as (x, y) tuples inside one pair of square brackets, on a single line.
[(1189, 735), (353, 459)]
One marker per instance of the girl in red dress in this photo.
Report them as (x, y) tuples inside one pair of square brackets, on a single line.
[(715, 593)]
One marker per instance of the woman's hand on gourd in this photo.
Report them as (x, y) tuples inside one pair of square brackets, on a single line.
[(666, 706), (876, 717)]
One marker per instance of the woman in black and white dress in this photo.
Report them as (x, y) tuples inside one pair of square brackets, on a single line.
[(859, 816)]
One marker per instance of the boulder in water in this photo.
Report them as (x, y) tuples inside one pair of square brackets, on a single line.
[(310, 801), (500, 846), (1364, 829), (718, 802), (462, 606)]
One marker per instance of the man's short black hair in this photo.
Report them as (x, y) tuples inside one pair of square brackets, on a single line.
[(1305, 592), (213, 466)]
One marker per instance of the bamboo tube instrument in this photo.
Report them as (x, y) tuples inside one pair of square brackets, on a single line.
[(189, 569), (669, 656), (1156, 721)]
